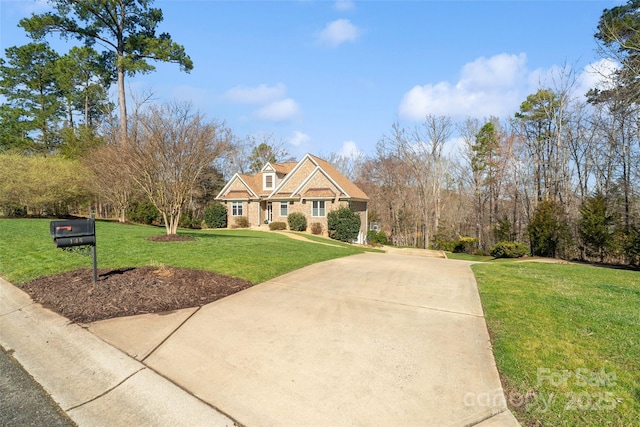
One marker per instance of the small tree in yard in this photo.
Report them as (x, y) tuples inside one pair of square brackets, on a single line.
[(168, 150), (597, 226), (548, 230), (343, 224)]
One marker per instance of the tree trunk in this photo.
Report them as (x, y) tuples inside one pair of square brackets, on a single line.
[(122, 101)]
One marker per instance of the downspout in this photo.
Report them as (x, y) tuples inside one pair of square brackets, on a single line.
[(366, 223)]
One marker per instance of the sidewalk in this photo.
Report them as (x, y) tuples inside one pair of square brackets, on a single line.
[(371, 339), (93, 382)]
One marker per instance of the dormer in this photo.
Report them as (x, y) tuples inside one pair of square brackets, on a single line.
[(268, 177)]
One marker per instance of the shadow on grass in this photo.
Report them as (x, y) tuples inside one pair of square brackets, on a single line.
[(212, 235), (612, 266)]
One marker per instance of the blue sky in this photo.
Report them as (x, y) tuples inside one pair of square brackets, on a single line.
[(333, 76)]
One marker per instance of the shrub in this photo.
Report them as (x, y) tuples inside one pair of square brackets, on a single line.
[(189, 219), (278, 225), (343, 224), (297, 221), (316, 228), (215, 216), (509, 250), (444, 245), (142, 213), (465, 245), (241, 222), (377, 237), (14, 211)]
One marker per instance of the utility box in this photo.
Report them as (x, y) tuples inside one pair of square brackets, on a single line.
[(75, 232)]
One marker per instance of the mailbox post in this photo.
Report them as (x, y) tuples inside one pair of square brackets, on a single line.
[(76, 232)]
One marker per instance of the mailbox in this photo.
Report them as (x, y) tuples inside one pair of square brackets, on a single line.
[(76, 232)]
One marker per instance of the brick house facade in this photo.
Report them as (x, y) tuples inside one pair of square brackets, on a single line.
[(311, 186)]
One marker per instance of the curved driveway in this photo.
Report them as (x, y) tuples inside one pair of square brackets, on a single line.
[(371, 339)]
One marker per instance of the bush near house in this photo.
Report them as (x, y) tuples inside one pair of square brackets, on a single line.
[(274, 226), (509, 250), (316, 228), (343, 224), (215, 216), (241, 222), (297, 221), (377, 237)]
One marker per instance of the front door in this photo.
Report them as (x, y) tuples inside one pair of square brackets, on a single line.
[(269, 212)]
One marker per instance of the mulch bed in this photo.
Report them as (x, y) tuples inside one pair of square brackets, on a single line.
[(170, 238), (129, 291)]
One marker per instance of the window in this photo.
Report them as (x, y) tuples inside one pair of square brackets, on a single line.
[(318, 208), (268, 181), (284, 208), (236, 208)]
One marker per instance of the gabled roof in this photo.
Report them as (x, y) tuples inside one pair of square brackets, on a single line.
[(349, 187), (284, 168), (248, 183), (281, 168), (253, 183)]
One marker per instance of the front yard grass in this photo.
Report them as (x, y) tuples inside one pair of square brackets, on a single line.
[(469, 257), (27, 251), (566, 339)]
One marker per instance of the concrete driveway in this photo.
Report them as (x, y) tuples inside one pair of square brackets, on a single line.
[(372, 339)]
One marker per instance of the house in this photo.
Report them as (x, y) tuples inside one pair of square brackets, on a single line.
[(311, 186)]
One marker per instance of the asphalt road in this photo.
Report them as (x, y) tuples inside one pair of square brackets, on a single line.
[(23, 402)]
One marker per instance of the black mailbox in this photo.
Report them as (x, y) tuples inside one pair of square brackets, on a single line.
[(75, 232)]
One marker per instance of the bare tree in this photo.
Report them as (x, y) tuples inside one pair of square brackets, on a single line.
[(111, 180), (167, 153), (421, 151), (348, 165), (266, 148)]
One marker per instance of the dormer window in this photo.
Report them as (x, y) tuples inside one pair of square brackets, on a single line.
[(268, 181)]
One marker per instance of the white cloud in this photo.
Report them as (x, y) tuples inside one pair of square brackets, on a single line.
[(279, 110), (499, 71), (349, 149), (260, 94), (272, 100), (299, 138), (487, 86), (338, 32), (344, 5), (596, 75)]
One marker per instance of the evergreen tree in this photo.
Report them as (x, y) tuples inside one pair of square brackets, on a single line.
[(597, 226), (33, 108), (548, 230), (126, 28)]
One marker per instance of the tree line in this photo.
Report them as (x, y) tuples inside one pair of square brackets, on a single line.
[(562, 175)]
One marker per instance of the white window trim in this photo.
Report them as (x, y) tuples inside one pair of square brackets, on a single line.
[(264, 181), (286, 205), (237, 204), (324, 208)]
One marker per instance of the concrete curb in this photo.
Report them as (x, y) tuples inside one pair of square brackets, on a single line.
[(93, 382)]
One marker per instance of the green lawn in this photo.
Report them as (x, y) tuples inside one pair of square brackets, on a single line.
[(468, 257), (566, 340), (27, 251)]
